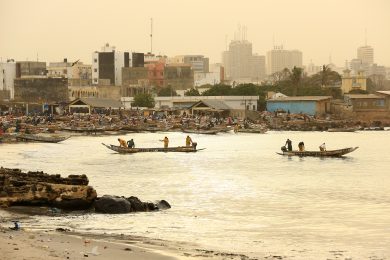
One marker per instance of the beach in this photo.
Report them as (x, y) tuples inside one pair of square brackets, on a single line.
[(49, 245)]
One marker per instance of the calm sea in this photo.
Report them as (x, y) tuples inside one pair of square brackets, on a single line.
[(237, 195)]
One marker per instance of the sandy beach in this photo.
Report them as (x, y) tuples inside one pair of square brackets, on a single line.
[(31, 245)]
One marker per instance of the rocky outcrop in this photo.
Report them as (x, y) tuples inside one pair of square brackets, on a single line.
[(41, 189), (114, 204)]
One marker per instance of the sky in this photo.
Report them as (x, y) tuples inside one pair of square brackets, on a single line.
[(51, 30)]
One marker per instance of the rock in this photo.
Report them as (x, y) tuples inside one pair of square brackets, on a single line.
[(163, 204), (112, 205), (41, 189)]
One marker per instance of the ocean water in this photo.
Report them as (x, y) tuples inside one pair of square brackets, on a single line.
[(237, 195)]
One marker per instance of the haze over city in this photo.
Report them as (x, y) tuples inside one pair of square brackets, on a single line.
[(74, 29)]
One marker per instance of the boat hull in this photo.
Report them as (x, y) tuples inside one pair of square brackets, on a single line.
[(40, 138), (124, 150), (330, 153)]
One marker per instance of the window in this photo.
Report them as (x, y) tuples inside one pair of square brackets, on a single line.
[(95, 70), (254, 107), (95, 60)]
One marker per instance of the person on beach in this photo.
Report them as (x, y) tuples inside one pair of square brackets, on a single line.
[(122, 143), (166, 142), (130, 143), (16, 226), (289, 145), (236, 128), (301, 146), (322, 147), (188, 141)]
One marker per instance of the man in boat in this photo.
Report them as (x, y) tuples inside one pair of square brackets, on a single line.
[(166, 142), (122, 143), (188, 141), (322, 147), (301, 146), (289, 145), (130, 143)]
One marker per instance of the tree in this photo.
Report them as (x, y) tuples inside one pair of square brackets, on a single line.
[(192, 92), (245, 90), (218, 90), (296, 78), (143, 100), (166, 92)]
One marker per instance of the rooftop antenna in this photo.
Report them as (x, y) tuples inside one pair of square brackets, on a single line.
[(151, 35), (37, 57)]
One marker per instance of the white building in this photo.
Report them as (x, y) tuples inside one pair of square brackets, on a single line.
[(107, 66), (278, 59), (209, 78), (76, 72), (366, 54), (7, 76)]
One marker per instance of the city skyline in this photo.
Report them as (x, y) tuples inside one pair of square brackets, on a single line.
[(74, 30)]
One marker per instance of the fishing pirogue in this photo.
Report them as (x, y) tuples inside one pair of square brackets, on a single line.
[(41, 138), (329, 153), (182, 149)]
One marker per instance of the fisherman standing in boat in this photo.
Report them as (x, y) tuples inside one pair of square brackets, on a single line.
[(166, 142), (188, 141), (322, 147), (130, 143), (122, 143), (289, 145)]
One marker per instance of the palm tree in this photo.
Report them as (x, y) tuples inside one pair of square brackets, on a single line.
[(296, 78)]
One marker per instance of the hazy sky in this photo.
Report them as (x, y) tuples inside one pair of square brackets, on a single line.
[(56, 29)]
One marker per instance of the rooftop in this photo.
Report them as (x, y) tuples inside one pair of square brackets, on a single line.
[(301, 98), (362, 96)]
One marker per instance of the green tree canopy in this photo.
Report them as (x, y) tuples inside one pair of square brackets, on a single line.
[(143, 100), (192, 92), (218, 90), (166, 92)]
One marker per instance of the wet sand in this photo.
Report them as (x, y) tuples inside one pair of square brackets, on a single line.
[(30, 245)]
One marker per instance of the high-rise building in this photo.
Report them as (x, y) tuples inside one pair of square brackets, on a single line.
[(241, 65), (107, 66), (366, 54), (278, 59), (257, 66)]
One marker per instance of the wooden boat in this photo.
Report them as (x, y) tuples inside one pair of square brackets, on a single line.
[(182, 149), (348, 129), (252, 130), (200, 131), (329, 153), (41, 138)]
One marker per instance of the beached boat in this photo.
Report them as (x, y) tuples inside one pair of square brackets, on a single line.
[(252, 130), (182, 149), (346, 129), (41, 138), (329, 153), (201, 131)]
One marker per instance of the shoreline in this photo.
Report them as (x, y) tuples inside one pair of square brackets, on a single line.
[(50, 244)]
